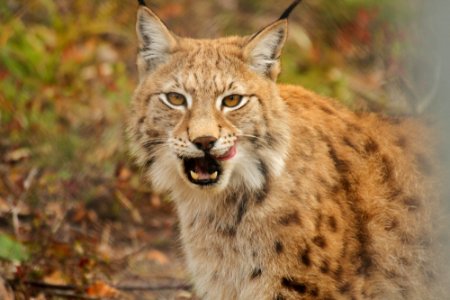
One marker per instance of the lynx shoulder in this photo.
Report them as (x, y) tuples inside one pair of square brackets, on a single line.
[(281, 194)]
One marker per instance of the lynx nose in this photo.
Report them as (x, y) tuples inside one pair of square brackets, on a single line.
[(205, 143)]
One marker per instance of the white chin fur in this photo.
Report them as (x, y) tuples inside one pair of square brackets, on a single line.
[(164, 173), (246, 171)]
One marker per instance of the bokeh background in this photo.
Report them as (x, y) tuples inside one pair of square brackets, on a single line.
[(75, 217)]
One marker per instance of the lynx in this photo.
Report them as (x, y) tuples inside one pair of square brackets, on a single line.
[(281, 193)]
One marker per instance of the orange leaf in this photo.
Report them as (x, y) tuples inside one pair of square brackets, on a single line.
[(157, 256), (55, 277), (101, 289)]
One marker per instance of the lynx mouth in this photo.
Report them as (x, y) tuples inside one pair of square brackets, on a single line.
[(202, 170), (206, 170)]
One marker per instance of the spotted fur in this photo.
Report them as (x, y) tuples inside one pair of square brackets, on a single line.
[(319, 202)]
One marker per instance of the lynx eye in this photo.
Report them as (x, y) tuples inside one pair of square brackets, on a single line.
[(232, 101), (176, 99)]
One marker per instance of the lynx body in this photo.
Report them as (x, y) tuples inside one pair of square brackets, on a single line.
[(281, 194)]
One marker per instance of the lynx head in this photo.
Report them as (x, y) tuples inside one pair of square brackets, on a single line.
[(207, 115)]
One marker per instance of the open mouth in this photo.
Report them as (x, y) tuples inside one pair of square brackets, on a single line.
[(202, 170), (206, 170)]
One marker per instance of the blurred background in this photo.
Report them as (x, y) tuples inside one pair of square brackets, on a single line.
[(75, 218)]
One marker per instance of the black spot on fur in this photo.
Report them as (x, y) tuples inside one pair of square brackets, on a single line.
[(262, 167), (141, 120), (291, 218), (262, 193), (279, 247), (149, 145), (349, 143), (332, 223), (412, 203), (314, 291), (271, 140), (366, 262), (387, 169), (229, 231), (319, 241), (298, 287), (371, 146), (404, 261), (279, 297), (256, 273), (319, 221), (391, 225), (394, 193), (234, 198), (423, 164), (353, 127), (149, 162), (401, 142), (256, 139), (304, 257), (341, 165), (242, 209), (326, 110), (324, 266), (345, 184), (152, 133), (345, 288), (338, 272)]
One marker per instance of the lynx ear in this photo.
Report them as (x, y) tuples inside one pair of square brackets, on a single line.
[(263, 49), (156, 42)]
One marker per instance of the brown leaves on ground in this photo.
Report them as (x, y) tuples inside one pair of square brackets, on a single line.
[(5, 291), (102, 290), (158, 257)]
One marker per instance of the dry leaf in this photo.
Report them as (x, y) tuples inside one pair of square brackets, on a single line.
[(124, 174), (17, 155), (102, 290), (155, 201), (183, 295), (5, 291), (55, 278), (158, 256)]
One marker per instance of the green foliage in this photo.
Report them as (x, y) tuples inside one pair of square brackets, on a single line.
[(12, 250)]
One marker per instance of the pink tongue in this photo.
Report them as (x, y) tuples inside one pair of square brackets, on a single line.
[(229, 155)]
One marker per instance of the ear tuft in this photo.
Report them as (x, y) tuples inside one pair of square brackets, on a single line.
[(142, 2), (288, 10), (156, 42), (263, 50)]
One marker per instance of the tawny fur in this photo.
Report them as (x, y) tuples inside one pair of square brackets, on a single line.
[(319, 203)]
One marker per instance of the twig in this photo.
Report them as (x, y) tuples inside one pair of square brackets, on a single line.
[(154, 287), (73, 288), (129, 206), (57, 290), (69, 295), (44, 285)]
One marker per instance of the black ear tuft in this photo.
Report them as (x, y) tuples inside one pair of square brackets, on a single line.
[(142, 2), (288, 10)]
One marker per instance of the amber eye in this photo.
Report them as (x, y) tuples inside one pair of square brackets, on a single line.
[(176, 99), (232, 100)]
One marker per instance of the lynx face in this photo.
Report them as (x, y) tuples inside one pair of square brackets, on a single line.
[(203, 108)]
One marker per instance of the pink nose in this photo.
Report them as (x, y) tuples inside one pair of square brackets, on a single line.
[(205, 143)]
